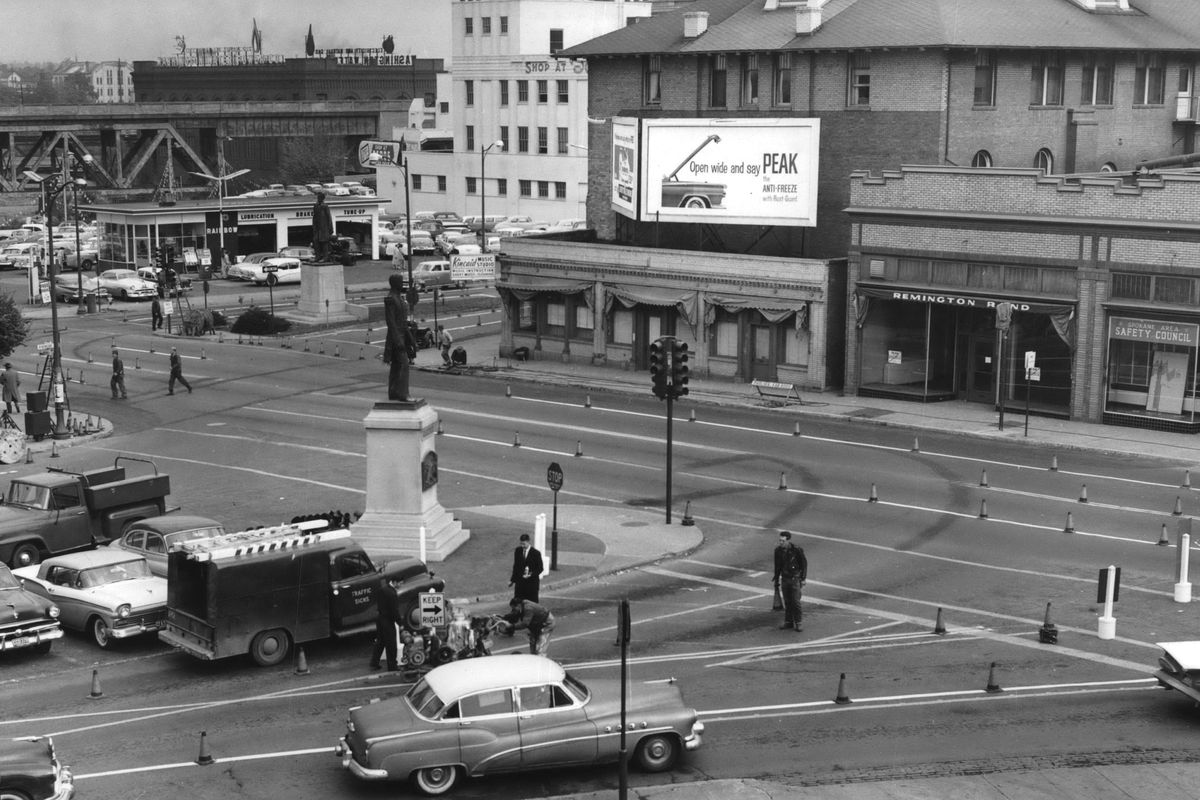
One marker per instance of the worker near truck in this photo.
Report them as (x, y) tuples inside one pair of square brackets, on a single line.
[(534, 618), (387, 614)]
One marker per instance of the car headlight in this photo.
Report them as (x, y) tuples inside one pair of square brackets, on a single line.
[(123, 610), (54, 612)]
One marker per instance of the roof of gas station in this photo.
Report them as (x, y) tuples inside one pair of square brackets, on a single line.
[(150, 208)]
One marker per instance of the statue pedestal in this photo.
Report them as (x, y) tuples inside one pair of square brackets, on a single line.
[(322, 295), (402, 485)]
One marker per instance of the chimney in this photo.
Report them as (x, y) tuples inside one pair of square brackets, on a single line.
[(694, 23), (808, 17)]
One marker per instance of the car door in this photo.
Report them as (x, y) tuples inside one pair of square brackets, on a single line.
[(489, 737), (70, 524), (554, 728), (61, 585), (354, 581)]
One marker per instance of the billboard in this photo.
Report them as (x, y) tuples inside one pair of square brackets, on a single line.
[(734, 171), (624, 166), (473, 268)]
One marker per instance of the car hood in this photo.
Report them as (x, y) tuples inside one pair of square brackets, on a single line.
[(23, 756), (18, 605), (15, 517), (606, 695), (139, 593), (388, 719)]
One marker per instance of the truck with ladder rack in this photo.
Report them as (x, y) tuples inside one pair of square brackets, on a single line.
[(263, 591)]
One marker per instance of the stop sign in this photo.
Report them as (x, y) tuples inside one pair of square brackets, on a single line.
[(554, 476)]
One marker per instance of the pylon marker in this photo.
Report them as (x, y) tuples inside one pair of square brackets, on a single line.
[(983, 509), (874, 497), (1054, 463), (1162, 537), (842, 698), (95, 685), (1070, 526), (301, 662), (1083, 494), (1178, 506), (587, 401), (939, 627), (983, 481), (783, 480), (204, 759), (916, 448), (992, 686), (1048, 633), (516, 438), (687, 520), (1187, 479), (578, 448)]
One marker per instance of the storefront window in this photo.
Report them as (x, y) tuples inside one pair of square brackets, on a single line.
[(726, 338), (556, 318), (1152, 369), (796, 345), (583, 321), (527, 316), (622, 326)]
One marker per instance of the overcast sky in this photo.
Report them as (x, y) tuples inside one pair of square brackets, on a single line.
[(134, 30)]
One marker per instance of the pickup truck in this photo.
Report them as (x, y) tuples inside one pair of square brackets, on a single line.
[(58, 511), (261, 591)]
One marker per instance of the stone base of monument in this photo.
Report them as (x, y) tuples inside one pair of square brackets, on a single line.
[(322, 296), (402, 486)]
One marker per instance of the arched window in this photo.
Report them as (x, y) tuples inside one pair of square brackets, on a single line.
[(981, 159), (1108, 166), (1044, 160)]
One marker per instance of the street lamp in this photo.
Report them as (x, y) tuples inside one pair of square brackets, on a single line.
[(483, 151), (220, 180), (52, 187), (77, 180)]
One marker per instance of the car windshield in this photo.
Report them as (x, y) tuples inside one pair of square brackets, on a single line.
[(114, 573), (8, 580), (193, 535), (28, 495), (424, 699)]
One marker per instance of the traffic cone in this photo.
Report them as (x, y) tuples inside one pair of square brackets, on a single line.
[(983, 479), (204, 759), (90, 359), (692, 416), (221, 337), (687, 520), (916, 448), (337, 351), (1070, 526), (1048, 633), (842, 698), (307, 349), (1187, 479), (587, 401), (939, 627), (992, 686), (441, 430), (1178, 506), (137, 363), (516, 438), (322, 349), (796, 430), (874, 498), (151, 349), (54, 449), (1054, 463), (508, 389), (578, 448), (81, 377), (479, 321), (983, 509), (783, 480), (1083, 494), (367, 340), (96, 685), (28, 455), (203, 355), (301, 662), (1162, 537), (361, 356)]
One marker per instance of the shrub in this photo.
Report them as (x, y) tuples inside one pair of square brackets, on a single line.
[(259, 322)]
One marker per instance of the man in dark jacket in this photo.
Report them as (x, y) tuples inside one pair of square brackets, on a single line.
[(528, 615), (527, 570), (117, 383), (791, 571), (387, 614)]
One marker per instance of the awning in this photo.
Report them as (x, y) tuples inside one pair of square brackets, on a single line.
[(528, 286)]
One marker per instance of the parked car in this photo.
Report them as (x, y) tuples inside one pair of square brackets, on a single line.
[(127, 284), (109, 594), (433, 274), (335, 190), (84, 258), (306, 254), (29, 621), (67, 287), (242, 270), (449, 243), (489, 221), (345, 249), (152, 538), (1179, 668), (445, 217), (431, 226), (422, 242), (30, 770), (274, 271), (181, 285), (19, 255), (523, 712), (569, 224)]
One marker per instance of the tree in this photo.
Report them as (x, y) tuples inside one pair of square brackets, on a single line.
[(14, 329), (315, 158)]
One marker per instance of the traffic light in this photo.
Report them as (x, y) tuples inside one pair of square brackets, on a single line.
[(679, 368), (659, 369), (160, 254)]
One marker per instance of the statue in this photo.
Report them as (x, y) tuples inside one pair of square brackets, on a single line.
[(322, 229), (400, 346)]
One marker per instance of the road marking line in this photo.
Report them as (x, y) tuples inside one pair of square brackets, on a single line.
[(228, 467)]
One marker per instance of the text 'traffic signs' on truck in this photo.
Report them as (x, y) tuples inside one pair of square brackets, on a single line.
[(262, 591)]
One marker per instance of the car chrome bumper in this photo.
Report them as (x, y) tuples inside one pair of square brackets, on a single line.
[(1169, 681), (64, 785), (30, 638), (125, 631), (358, 770), (696, 738)]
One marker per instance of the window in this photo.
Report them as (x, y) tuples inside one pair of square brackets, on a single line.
[(556, 317), (543, 141), (522, 91), (470, 137), (470, 91), (860, 80), (503, 25), (583, 318), (1097, 81), (472, 186), (441, 183), (750, 80), (652, 80), (543, 89), (522, 138), (1046, 88), (563, 92), (725, 335), (1173, 290), (469, 26), (562, 141), (1044, 160), (486, 26), (981, 159), (985, 78), (504, 135), (781, 83), (543, 189), (486, 704), (1130, 286), (1149, 80), (503, 93), (556, 40), (525, 187), (502, 187), (716, 80), (416, 183), (560, 190)]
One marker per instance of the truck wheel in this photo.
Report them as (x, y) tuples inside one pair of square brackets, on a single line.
[(434, 781), (26, 554), (657, 753), (12, 794), (270, 648), (101, 634)]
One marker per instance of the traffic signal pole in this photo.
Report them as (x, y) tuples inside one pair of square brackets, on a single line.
[(669, 380), (670, 449)]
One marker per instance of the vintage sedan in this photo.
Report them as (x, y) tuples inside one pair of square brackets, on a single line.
[(512, 713), (127, 284), (30, 770), (181, 284), (273, 271), (153, 537), (29, 621), (1179, 668), (109, 594), (67, 287), (242, 270)]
